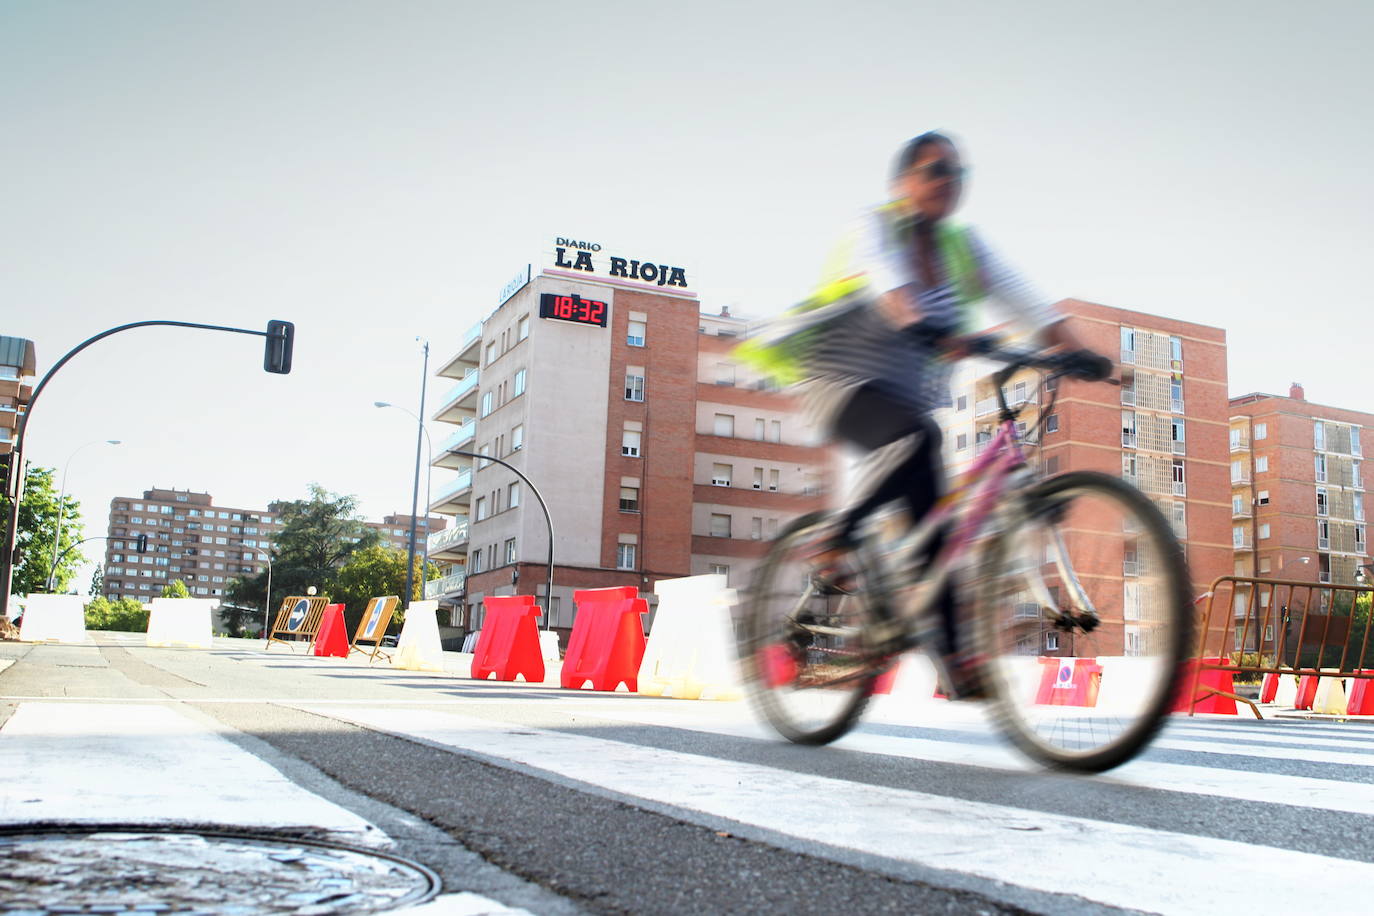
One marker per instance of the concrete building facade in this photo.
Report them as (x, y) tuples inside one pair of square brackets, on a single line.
[(657, 456)]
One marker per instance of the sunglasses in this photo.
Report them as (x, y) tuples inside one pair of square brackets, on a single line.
[(940, 169)]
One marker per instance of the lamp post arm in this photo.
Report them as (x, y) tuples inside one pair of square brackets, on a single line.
[(548, 520)]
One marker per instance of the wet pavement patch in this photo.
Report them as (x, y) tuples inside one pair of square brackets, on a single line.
[(70, 870)]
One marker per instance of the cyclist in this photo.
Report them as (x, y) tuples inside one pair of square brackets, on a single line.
[(894, 303)]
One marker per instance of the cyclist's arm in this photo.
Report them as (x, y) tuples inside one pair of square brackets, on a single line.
[(888, 272)]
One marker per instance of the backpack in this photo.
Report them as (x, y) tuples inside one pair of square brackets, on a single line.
[(780, 348)]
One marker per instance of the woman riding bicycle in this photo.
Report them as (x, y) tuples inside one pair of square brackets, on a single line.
[(893, 304)]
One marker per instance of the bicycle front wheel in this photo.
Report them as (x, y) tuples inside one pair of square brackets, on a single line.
[(803, 642), (1086, 622)]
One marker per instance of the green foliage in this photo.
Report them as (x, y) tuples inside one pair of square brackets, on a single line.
[(176, 589), (97, 582), (126, 615), (317, 538), (38, 510), (375, 571), (1251, 660)]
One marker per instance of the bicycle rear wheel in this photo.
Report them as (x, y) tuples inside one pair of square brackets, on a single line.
[(1075, 696), (804, 646)]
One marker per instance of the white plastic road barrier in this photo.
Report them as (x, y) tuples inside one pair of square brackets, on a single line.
[(548, 645), (1287, 694), (691, 649), (419, 648), (1330, 698), (915, 680), (1125, 680), (181, 622), (53, 618)]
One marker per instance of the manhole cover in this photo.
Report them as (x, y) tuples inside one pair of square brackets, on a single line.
[(122, 871)]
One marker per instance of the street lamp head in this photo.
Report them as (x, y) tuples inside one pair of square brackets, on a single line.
[(113, 442), (381, 403)]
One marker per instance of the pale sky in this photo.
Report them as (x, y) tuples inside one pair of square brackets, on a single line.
[(376, 171)]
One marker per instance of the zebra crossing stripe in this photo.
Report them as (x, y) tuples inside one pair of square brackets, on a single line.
[(1110, 863)]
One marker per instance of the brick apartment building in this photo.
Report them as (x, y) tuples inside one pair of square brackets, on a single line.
[(1164, 429), (1297, 491), (598, 377), (205, 545)]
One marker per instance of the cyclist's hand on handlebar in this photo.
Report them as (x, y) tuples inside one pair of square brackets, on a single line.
[(1086, 364)]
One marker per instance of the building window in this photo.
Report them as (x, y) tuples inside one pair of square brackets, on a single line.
[(486, 404), (475, 560), (1262, 497), (491, 353), (625, 556), (634, 333), (1237, 505), (1051, 641), (517, 438), (512, 496), (1261, 430), (519, 383), (961, 442), (1180, 488), (724, 425), (1264, 531), (1052, 423), (720, 525), (1261, 464), (725, 374), (1128, 429), (523, 328), (1176, 434), (1052, 465), (962, 403), (1320, 462), (720, 569), (1319, 436), (1237, 537), (1176, 349), (481, 508), (629, 443), (758, 478), (1357, 504), (756, 528), (634, 387), (774, 476), (1323, 504), (721, 474), (629, 499), (1264, 565), (510, 551), (758, 429)]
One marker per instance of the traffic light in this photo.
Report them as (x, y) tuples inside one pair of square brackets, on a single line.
[(276, 356), (142, 543)]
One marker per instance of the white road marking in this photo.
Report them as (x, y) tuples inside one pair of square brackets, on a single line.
[(1115, 864), (142, 764), (464, 904)]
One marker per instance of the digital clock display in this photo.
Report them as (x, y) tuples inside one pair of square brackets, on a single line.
[(572, 308)]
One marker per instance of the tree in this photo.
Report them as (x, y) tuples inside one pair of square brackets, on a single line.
[(97, 582), (38, 510), (126, 615), (375, 571), (317, 537), (176, 589)]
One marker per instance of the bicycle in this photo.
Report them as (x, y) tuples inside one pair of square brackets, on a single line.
[(1082, 555)]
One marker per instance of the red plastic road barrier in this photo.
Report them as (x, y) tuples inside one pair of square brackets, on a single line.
[(607, 641), (1361, 701), (1204, 700), (1270, 689), (1069, 682), (332, 639), (509, 644), (1307, 691), (777, 666)]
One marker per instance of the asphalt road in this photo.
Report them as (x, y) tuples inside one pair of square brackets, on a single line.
[(557, 801)]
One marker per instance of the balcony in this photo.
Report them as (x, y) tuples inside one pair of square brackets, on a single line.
[(463, 438), (1180, 447), (1130, 568), (1324, 577), (1241, 540), (1240, 478), (1242, 512), (1180, 488), (451, 540), (1176, 405), (1240, 444), (1128, 397), (469, 354), (985, 407), (454, 497), (459, 402), (445, 587), (1127, 440), (1128, 357)]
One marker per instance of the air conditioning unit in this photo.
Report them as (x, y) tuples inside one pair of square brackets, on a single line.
[(718, 482), (758, 486)]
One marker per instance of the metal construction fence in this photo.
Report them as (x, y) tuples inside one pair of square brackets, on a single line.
[(1253, 626)]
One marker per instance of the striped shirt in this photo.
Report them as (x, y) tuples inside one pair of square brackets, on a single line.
[(863, 348)]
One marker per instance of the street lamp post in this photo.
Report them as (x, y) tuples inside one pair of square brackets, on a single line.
[(429, 480), (267, 600), (62, 505), (548, 520)]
